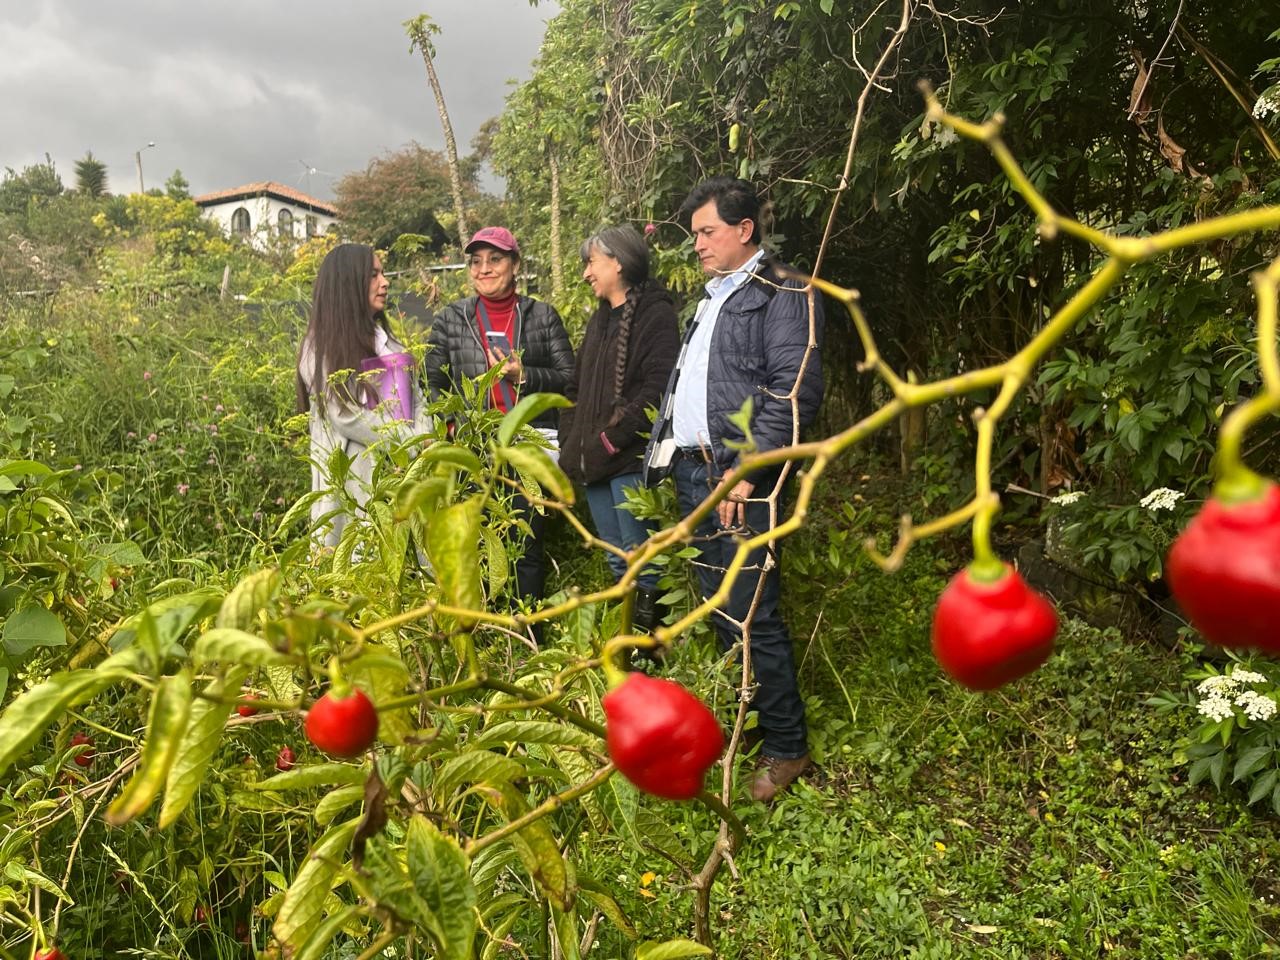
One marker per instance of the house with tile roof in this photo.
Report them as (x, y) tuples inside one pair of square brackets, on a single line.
[(263, 212)]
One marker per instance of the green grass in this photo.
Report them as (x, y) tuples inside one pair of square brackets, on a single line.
[(1045, 820)]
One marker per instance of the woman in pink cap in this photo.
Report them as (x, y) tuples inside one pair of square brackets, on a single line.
[(525, 337)]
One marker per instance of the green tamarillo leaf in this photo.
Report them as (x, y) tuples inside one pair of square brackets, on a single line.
[(453, 455), (26, 718), (497, 564), (166, 725), (313, 775), (441, 875), (453, 546), (531, 460), (565, 925), (30, 628), (337, 800), (317, 945), (230, 645), (528, 409), (205, 722), (246, 600), (476, 766), (171, 617), (420, 496), (301, 508), (537, 848), (533, 731), (671, 950), (383, 675), (599, 895), (302, 908)]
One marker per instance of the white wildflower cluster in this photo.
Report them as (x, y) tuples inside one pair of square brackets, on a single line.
[(1068, 498), (1256, 706), (1162, 498), (1269, 102), (1222, 694)]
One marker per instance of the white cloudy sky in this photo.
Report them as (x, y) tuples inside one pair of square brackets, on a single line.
[(238, 91)]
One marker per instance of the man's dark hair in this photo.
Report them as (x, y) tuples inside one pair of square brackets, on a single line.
[(735, 200)]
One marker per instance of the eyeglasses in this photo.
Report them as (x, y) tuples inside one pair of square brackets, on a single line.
[(492, 260)]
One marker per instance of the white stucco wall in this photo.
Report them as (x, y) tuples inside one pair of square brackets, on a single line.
[(264, 214)]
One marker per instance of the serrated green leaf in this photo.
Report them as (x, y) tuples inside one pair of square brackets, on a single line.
[(240, 607), (166, 725), (29, 628), (303, 904), (532, 460), (441, 875), (206, 721), (528, 409), (453, 547), (671, 950), (1263, 786), (227, 645), (1250, 761)]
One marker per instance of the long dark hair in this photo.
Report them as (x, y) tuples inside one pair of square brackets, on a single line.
[(342, 326), (625, 244)]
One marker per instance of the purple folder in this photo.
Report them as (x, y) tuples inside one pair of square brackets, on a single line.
[(393, 382)]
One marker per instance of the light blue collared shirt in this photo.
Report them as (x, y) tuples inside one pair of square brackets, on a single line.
[(689, 426)]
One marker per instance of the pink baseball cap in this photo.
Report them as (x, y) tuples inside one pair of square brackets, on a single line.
[(499, 237)]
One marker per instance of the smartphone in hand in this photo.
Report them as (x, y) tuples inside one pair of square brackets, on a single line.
[(499, 344)]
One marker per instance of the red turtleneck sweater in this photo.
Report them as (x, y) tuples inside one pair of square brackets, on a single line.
[(502, 319)]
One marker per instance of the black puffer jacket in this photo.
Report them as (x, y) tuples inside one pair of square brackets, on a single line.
[(652, 346), (758, 352), (538, 335)]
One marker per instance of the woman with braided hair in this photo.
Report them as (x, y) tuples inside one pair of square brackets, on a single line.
[(622, 368)]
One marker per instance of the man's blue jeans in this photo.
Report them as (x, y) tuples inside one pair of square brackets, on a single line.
[(777, 698), (619, 526)]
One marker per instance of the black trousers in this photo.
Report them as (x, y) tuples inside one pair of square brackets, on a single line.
[(777, 699)]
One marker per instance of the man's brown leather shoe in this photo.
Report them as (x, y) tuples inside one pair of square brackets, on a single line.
[(775, 775)]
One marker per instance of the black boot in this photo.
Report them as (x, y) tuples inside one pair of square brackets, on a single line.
[(644, 615)]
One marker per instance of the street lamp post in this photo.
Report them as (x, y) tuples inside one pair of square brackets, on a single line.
[(137, 156)]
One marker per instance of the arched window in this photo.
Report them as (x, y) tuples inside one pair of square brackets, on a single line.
[(284, 222), (240, 222), (312, 225)]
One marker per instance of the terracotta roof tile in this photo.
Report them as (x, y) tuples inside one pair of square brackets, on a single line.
[(267, 188)]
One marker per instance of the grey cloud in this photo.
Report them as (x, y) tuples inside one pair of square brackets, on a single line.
[(235, 92)]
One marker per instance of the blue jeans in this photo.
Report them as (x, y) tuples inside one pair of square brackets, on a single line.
[(777, 699), (620, 527)]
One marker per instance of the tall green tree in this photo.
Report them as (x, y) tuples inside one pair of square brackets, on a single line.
[(177, 187), (403, 191), (39, 182), (91, 176)]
